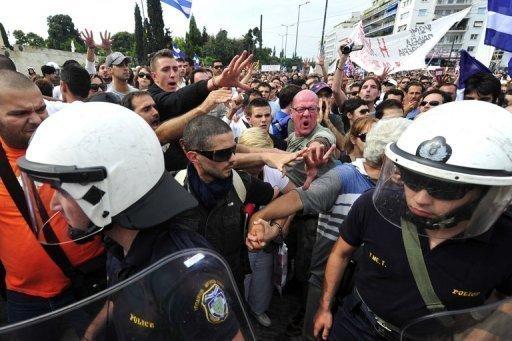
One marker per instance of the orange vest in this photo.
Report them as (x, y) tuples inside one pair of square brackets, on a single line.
[(28, 267)]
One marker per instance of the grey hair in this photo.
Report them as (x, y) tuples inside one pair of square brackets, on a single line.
[(382, 133)]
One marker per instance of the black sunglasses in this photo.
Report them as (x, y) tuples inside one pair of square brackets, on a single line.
[(431, 103), (437, 189), (95, 87), (362, 137), (220, 155), (144, 75)]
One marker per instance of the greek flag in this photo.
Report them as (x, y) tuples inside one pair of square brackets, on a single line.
[(184, 6), (177, 52), (499, 24), (197, 62)]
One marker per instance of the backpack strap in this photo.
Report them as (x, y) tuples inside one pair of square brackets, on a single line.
[(238, 183)]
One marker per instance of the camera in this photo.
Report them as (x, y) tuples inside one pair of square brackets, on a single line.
[(351, 47)]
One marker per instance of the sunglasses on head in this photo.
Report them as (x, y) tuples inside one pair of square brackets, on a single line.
[(437, 189), (95, 87), (362, 137), (220, 155), (431, 103), (144, 75)]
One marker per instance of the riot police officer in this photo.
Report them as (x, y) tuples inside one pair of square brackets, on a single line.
[(433, 233), (103, 168)]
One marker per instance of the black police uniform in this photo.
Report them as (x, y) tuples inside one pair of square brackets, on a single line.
[(174, 302), (463, 272)]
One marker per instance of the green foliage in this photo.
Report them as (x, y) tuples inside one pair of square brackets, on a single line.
[(20, 37), (221, 47), (180, 43), (156, 38), (204, 36), (35, 40), (193, 39), (123, 42), (5, 38), (139, 37), (61, 31)]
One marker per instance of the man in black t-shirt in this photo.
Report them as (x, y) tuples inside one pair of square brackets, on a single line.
[(429, 238)]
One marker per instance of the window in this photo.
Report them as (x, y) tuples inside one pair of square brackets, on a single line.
[(422, 12), (478, 24), (450, 1), (481, 10), (473, 36), (404, 15), (471, 48)]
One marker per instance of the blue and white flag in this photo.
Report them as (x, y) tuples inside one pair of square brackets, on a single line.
[(184, 6), (197, 62), (468, 66), (177, 52), (498, 32)]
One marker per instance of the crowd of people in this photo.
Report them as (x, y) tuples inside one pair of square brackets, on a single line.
[(332, 172)]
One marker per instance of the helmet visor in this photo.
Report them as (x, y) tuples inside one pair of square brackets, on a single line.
[(440, 209), (56, 217)]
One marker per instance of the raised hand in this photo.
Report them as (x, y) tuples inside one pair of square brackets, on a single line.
[(88, 38), (315, 158), (215, 97), (106, 41)]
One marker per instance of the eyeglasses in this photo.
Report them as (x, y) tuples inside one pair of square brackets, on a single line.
[(437, 189), (220, 155), (95, 87), (301, 110), (431, 103), (362, 137), (144, 75), (217, 66)]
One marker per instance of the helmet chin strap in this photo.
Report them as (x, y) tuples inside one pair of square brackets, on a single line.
[(80, 236), (450, 220)]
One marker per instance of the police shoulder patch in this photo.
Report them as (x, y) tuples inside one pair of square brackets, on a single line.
[(214, 303)]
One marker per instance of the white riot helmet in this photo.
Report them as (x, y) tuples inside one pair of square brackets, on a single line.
[(458, 154), (104, 159)]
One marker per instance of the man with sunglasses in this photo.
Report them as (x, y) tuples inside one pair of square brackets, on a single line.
[(433, 234), (431, 99), (221, 192), (217, 67)]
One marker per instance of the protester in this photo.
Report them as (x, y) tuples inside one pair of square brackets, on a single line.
[(353, 109), (143, 79), (413, 92), (482, 87), (355, 139), (97, 85), (431, 99), (75, 83), (118, 67), (389, 108)]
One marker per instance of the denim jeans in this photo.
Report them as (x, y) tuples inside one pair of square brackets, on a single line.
[(21, 307), (258, 284)]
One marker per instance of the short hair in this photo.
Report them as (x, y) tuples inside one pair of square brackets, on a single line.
[(127, 100), (189, 60), (100, 63), (47, 70), (446, 97), (44, 86), (247, 96), (448, 84), (423, 77), (15, 81), (394, 91), (6, 63), (199, 131), (353, 85), (375, 79), (77, 80), (287, 93), (356, 129), (254, 80), (193, 73), (216, 61), (413, 83), (484, 84), (256, 103), (179, 59), (352, 104), (264, 84), (106, 97), (256, 137), (381, 134), (387, 104), (70, 62), (165, 53)]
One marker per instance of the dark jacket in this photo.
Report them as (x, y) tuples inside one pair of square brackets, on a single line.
[(172, 104)]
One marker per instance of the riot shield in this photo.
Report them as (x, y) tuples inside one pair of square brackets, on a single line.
[(491, 322), (189, 295)]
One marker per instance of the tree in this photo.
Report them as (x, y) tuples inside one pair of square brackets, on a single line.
[(193, 39), (5, 38), (167, 38), (61, 31), (148, 37), (257, 35), (20, 37), (248, 43), (123, 42), (35, 40), (156, 26), (139, 37), (204, 36)]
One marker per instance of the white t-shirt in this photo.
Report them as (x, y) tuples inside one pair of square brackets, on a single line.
[(275, 177)]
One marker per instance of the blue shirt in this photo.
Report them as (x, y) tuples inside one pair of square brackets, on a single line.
[(412, 115), (280, 125)]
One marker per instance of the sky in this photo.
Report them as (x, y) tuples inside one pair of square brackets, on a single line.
[(236, 17)]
